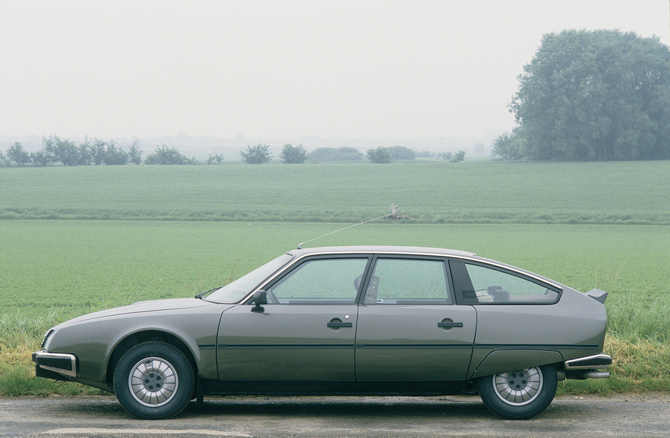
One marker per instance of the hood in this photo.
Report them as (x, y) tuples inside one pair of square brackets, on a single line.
[(145, 306)]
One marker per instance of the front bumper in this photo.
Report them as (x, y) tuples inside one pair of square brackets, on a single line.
[(61, 363)]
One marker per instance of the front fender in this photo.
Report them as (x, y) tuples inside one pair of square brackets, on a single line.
[(94, 341)]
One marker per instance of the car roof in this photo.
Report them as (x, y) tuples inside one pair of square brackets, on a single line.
[(400, 250)]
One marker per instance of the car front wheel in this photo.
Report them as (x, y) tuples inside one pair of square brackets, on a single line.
[(519, 394), (154, 380)]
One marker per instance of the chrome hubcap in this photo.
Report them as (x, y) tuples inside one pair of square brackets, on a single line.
[(153, 382), (519, 387)]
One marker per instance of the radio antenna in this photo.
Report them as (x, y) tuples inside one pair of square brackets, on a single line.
[(394, 212)]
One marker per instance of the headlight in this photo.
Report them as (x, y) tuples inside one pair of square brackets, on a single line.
[(45, 341)]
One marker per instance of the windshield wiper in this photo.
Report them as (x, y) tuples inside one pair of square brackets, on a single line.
[(202, 294)]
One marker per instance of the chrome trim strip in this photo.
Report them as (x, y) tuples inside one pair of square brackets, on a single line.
[(346, 346), (582, 363), (415, 346), (287, 346), (72, 372), (537, 347)]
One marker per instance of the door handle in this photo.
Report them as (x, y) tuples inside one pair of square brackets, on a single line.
[(339, 324), (449, 324)]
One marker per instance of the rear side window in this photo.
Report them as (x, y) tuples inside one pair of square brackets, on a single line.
[(479, 284), (408, 282)]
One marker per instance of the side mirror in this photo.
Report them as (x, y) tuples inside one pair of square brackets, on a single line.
[(260, 297)]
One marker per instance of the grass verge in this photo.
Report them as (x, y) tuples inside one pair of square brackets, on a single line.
[(639, 366)]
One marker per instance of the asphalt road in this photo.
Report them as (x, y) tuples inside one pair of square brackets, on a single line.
[(568, 416)]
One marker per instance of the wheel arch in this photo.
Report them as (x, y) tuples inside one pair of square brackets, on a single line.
[(501, 361), (145, 336)]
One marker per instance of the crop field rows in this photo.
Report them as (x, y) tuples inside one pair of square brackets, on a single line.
[(428, 192), (162, 244)]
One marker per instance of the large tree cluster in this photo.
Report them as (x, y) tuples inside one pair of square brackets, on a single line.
[(62, 151), (592, 96)]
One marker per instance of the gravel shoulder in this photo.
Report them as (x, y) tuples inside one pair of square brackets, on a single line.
[(102, 416)]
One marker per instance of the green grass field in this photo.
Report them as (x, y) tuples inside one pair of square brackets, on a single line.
[(612, 234), (429, 192)]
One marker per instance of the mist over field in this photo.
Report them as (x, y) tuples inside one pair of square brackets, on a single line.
[(580, 192)]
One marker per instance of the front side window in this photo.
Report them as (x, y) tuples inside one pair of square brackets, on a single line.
[(408, 281), (320, 281), (481, 284)]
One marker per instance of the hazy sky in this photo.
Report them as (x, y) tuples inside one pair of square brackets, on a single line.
[(281, 69)]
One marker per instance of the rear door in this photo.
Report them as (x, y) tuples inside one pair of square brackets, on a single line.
[(408, 326)]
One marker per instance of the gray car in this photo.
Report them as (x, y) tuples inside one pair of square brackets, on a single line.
[(343, 320)]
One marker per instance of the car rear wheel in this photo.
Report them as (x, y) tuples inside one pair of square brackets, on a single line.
[(154, 380), (519, 394)]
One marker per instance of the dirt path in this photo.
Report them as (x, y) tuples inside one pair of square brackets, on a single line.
[(568, 416)]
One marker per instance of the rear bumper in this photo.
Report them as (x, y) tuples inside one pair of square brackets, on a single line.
[(597, 361), (61, 363), (590, 367)]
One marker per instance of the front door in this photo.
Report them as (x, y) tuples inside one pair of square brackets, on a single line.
[(305, 332)]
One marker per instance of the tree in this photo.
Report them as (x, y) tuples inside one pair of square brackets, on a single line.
[(70, 154), (380, 155), (40, 158), (17, 154), (293, 154), (401, 153), (507, 147), (135, 154), (453, 157), (166, 155), (85, 154), (258, 154), (114, 156), (601, 95), (98, 151), (63, 150), (457, 157), (216, 157)]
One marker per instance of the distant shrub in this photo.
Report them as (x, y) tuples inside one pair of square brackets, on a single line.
[(458, 156), (293, 154), (258, 154), (453, 157), (167, 155), (401, 153), (379, 156), (335, 154)]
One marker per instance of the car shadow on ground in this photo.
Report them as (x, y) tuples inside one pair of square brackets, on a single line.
[(332, 408), (336, 407)]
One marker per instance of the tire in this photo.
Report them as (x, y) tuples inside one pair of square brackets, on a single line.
[(154, 380), (520, 394)]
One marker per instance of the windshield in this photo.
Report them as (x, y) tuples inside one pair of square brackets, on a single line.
[(232, 292)]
